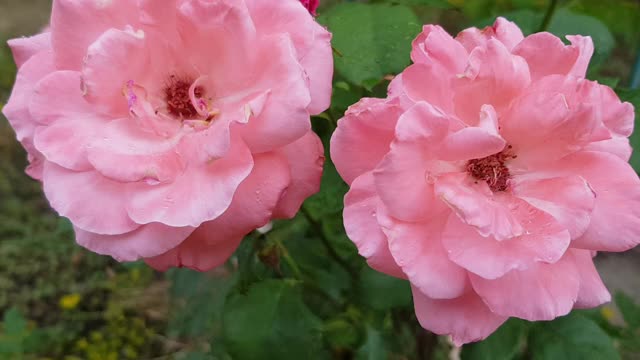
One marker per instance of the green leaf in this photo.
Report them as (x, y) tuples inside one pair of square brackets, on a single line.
[(629, 309), (383, 292), (372, 40), (341, 333), (374, 347), (565, 22), (271, 322), (573, 337), (193, 290), (13, 323), (504, 344)]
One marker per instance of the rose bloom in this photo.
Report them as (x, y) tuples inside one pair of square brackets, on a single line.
[(167, 130), (490, 177)]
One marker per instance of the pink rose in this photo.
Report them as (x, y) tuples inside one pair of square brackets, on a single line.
[(168, 130), (311, 5), (490, 177)]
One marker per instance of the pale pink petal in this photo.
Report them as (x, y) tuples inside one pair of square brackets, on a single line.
[(542, 292), (507, 32), (435, 45), (617, 145), (115, 58), (592, 292), (284, 117), (146, 241), (615, 220), (361, 206), (546, 54), (123, 152), (363, 136), (503, 30), (17, 108), (92, 202), (25, 48), (568, 199), (430, 83), (306, 159), (470, 143), (544, 241), (198, 195), (541, 127), (465, 318), (584, 44), (58, 98), (311, 41), (77, 24), (407, 166), (494, 76), (57, 102), (214, 241), (417, 249), (475, 204)]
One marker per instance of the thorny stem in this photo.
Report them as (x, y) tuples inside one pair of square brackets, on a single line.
[(548, 15), (327, 244)]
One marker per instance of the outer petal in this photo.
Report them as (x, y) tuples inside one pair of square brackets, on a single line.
[(25, 48), (361, 206), (546, 54), (542, 292), (17, 108), (417, 249), (592, 290), (214, 241), (306, 159), (283, 117), (544, 241), (503, 30), (93, 17), (363, 136), (430, 82), (435, 45), (68, 120), (123, 152), (146, 241), (408, 166), (615, 220), (585, 47), (76, 195), (466, 318), (198, 195), (311, 41), (569, 200)]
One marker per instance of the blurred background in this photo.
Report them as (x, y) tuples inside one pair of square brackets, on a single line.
[(58, 301)]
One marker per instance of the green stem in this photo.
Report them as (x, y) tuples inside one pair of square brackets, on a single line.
[(317, 226), (289, 260), (310, 285), (548, 15)]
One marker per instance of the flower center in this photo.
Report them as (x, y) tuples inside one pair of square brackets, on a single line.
[(179, 102), (492, 169)]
